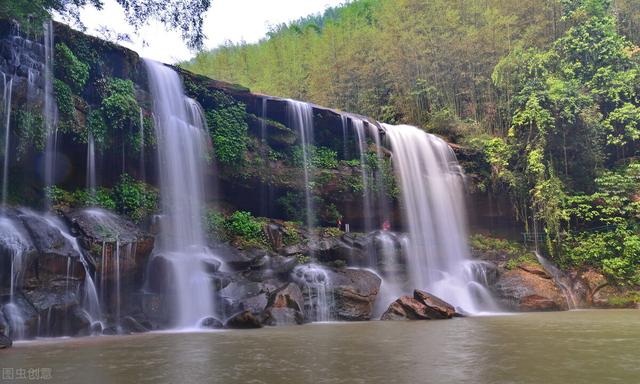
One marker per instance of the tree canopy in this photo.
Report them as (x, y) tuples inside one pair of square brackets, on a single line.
[(186, 16)]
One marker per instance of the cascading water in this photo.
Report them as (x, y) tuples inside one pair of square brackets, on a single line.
[(432, 194), (182, 137), (301, 119), (315, 284), (91, 165), (560, 279), (367, 208), (143, 175), (49, 110), (6, 110)]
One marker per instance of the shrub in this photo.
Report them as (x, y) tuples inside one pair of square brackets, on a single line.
[(119, 106), (228, 129), (134, 198), (64, 101), (243, 224), (319, 157), (214, 223), (30, 131), (69, 68)]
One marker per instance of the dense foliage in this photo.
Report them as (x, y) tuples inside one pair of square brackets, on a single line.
[(548, 91), (186, 16)]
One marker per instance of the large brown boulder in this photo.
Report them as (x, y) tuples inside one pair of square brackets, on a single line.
[(354, 292), (528, 289), (422, 306), (436, 307), (243, 320)]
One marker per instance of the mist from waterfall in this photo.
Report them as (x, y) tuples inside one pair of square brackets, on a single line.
[(431, 182), (182, 137)]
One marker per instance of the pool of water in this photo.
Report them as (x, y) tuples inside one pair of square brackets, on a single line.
[(560, 347)]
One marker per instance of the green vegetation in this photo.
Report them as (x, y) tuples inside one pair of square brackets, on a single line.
[(185, 16), (319, 157), (129, 197), (240, 228), (548, 91), (228, 128), (119, 106), (30, 131), (134, 198), (69, 68)]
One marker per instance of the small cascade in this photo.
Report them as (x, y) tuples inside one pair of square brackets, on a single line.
[(90, 301), (301, 119), (182, 137), (560, 279), (7, 88), (383, 201), (143, 175), (316, 287), (432, 195), (49, 109), (16, 320), (266, 193), (367, 206), (345, 136), (91, 166), (15, 245), (389, 269)]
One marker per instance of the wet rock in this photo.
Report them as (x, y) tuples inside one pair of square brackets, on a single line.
[(131, 325), (406, 308), (285, 306), (283, 316), (221, 280), (436, 307), (270, 267), (274, 234), (520, 290), (234, 258), (243, 320), (211, 323), (354, 292), (15, 244), (5, 341), (422, 306), (156, 307), (211, 265)]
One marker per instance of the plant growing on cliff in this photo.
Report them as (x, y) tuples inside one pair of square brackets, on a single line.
[(228, 129), (69, 68), (135, 198), (64, 101), (30, 131), (119, 106)]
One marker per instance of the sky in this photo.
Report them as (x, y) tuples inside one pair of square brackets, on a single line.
[(226, 20)]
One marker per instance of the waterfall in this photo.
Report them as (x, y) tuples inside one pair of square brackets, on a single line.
[(91, 166), (432, 193), (301, 119), (182, 139), (560, 279), (6, 108), (367, 208), (383, 201), (143, 175), (315, 285), (49, 110)]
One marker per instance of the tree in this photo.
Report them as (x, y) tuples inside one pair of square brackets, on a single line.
[(184, 15)]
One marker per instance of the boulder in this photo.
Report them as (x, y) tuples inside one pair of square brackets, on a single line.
[(130, 325), (354, 293), (436, 307), (5, 341), (282, 316), (520, 290), (243, 320), (211, 323), (285, 306), (422, 306), (405, 308), (15, 246)]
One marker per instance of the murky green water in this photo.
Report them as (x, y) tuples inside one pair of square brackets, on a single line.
[(568, 347)]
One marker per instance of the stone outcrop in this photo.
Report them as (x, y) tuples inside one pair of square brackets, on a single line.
[(243, 320), (529, 289), (422, 306)]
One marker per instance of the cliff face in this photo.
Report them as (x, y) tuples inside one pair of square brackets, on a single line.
[(101, 91)]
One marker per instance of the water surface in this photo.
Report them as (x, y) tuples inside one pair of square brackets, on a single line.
[(565, 347)]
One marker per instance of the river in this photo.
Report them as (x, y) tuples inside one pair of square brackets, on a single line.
[(595, 346)]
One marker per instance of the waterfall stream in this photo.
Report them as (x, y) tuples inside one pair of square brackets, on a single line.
[(182, 137), (434, 212)]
